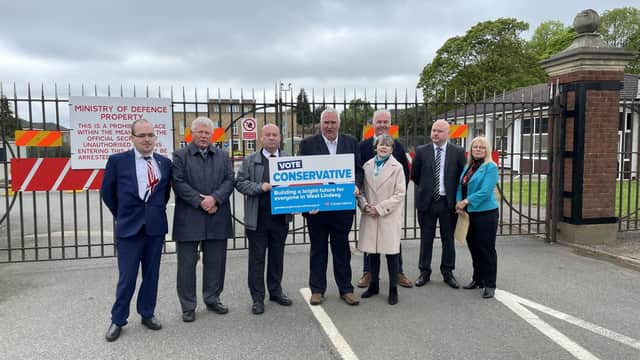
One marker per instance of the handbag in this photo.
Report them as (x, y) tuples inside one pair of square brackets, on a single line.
[(462, 227)]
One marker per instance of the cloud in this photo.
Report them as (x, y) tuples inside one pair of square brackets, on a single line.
[(246, 44)]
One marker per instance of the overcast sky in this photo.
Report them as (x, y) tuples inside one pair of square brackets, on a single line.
[(246, 44)]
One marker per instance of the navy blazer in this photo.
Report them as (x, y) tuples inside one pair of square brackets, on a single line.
[(119, 192), (367, 152), (422, 174)]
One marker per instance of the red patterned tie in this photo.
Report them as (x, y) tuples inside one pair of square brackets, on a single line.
[(152, 178)]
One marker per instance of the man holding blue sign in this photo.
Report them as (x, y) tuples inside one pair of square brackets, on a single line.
[(331, 227)]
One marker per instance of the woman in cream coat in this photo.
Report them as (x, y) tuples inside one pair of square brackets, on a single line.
[(381, 222)]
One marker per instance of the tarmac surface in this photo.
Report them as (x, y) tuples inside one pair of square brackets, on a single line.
[(60, 310)]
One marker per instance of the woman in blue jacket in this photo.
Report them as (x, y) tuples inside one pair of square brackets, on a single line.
[(476, 196)]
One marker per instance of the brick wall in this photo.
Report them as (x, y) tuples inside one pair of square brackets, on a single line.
[(601, 139)]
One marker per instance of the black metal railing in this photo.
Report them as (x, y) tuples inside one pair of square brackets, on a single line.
[(52, 225)]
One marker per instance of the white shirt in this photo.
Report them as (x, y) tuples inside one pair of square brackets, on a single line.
[(443, 153), (268, 154), (331, 145), (141, 172)]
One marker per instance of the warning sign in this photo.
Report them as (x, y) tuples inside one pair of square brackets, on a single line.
[(249, 129), (101, 126)]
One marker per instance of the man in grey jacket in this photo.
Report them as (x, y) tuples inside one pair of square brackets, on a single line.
[(266, 232), (202, 182)]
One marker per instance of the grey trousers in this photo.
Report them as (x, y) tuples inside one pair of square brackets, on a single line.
[(214, 259)]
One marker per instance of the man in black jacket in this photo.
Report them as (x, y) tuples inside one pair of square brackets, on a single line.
[(331, 227), (436, 172)]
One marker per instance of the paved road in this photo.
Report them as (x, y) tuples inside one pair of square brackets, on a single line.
[(56, 310)]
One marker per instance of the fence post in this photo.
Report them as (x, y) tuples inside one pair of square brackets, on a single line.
[(590, 74)]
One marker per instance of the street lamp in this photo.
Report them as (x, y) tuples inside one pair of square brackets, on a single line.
[(289, 90)]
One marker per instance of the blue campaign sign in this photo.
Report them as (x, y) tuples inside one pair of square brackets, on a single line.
[(295, 199), (314, 182)]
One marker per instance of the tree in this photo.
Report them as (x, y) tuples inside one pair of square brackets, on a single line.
[(621, 28), (304, 115), (357, 113), (8, 122), (490, 56), (550, 37)]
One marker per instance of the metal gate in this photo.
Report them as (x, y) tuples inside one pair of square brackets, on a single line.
[(56, 225)]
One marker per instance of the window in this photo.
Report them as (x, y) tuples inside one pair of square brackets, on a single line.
[(251, 145), (183, 144), (236, 145), (501, 140), (535, 137), (235, 108), (215, 108), (235, 128)]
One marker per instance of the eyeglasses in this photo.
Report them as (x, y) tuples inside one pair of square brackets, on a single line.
[(478, 148), (142, 136)]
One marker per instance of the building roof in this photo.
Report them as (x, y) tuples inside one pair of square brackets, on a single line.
[(530, 97)]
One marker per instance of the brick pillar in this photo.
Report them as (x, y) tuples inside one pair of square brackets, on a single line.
[(589, 75)]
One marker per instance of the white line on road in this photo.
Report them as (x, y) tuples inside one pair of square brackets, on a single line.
[(559, 338), (329, 328), (515, 303), (581, 323)]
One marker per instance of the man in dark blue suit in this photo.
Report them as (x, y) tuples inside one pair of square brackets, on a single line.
[(331, 227), (136, 189), (381, 121)]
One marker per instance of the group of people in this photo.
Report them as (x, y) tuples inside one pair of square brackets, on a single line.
[(136, 189)]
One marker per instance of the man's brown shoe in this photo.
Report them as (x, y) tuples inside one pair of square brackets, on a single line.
[(350, 298), (316, 299), (404, 281), (365, 280)]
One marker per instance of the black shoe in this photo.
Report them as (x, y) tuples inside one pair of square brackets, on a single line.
[(152, 323), (218, 308), (422, 279), (113, 333), (257, 308), (189, 316), (372, 290), (451, 281), (281, 299), (488, 292), (473, 285), (393, 296)]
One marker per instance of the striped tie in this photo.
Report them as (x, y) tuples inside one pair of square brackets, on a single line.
[(436, 174), (152, 178)]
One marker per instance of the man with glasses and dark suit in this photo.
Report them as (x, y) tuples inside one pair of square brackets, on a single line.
[(136, 189)]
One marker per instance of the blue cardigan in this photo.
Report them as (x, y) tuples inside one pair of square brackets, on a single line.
[(480, 194)]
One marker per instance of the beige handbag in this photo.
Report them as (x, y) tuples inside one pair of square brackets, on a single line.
[(462, 227)]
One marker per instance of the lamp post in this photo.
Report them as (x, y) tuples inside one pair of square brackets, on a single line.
[(287, 90)]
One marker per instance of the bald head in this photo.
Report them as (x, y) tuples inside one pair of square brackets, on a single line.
[(440, 132), (271, 138)]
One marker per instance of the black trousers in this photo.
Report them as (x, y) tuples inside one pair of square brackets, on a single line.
[(269, 239), (481, 239), (214, 260), (392, 266), (326, 229), (366, 263), (438, 212)]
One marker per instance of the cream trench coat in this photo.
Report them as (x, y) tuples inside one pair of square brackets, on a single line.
[(381, 235)]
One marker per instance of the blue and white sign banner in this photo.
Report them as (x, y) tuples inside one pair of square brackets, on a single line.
[(314, 182)]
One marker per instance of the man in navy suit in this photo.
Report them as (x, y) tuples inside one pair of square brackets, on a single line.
[(436, 172), (381, 123), (331, 227), (136, 189)]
